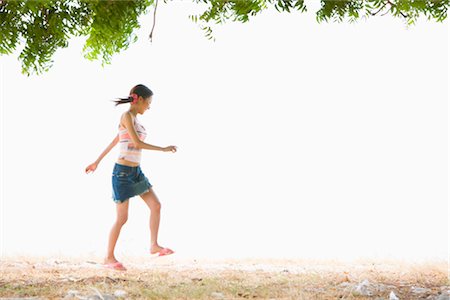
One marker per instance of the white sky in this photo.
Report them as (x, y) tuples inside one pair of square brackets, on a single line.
[(295, 140)]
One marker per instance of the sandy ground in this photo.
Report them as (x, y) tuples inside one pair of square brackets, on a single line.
[(175, 278)]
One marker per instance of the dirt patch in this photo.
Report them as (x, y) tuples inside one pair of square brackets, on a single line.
[(172, 278)]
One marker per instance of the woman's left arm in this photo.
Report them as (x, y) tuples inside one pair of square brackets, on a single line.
[(106, 151), (93, 166)]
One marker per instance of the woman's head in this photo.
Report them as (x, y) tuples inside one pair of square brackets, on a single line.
[(140, 98)]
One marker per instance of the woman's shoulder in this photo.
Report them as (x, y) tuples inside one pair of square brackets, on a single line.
[(130, 114), (123, 115), (127, 112)]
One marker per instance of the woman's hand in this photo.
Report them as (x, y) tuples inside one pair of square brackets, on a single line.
[(170, 148), (91, 167)]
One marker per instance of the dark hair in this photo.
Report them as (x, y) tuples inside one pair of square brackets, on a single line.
[(140, 90)]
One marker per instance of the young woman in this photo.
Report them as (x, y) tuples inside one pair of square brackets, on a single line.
[(128, 180)]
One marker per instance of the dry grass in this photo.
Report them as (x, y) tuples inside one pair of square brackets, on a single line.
[(172, 278)]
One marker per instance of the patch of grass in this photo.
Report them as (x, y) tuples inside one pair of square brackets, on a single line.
[(24, 290), (53, 281)]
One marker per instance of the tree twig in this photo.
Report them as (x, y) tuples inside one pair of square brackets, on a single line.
[(154, 20), (392, 4), (373, 14)]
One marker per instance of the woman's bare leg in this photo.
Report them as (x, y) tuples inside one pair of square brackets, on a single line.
[(155, 215), (122, 217)]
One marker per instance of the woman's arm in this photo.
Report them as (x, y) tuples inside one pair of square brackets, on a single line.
[(92, 167), (106, 151), (128, 123)]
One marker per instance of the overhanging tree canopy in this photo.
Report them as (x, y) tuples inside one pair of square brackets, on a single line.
[(43, 26)]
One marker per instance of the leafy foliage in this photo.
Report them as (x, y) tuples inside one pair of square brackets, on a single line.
[(46, 25), (43, 26)]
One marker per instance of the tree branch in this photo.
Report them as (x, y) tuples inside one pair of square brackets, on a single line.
[(154, 20), (373, 14), (392, 4)]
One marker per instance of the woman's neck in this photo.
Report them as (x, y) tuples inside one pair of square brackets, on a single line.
[(133, 112)]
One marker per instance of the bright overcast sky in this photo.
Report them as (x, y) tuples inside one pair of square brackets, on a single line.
[(295, 140)]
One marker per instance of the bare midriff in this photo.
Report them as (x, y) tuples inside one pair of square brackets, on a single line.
[(127, 163)]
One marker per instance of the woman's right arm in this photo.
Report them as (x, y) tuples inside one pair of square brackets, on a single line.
[(128, 123)]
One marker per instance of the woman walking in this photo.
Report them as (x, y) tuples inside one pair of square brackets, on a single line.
[(128, 180)]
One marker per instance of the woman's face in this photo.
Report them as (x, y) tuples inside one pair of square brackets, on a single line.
[(145, 104)]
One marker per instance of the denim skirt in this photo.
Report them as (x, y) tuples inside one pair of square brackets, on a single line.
[(128, 182)]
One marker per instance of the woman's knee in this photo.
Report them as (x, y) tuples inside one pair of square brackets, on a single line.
[(156, 205), (122, 212), (122, 219)]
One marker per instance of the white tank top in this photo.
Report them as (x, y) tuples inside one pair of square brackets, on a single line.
[(128, 151)]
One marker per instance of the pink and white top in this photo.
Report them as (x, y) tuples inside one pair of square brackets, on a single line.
[(128, 151)]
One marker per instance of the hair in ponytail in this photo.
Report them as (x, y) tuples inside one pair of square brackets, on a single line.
[(123, 100), (139, 90)]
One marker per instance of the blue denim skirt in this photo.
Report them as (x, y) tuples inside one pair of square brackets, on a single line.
[(128, 182)]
